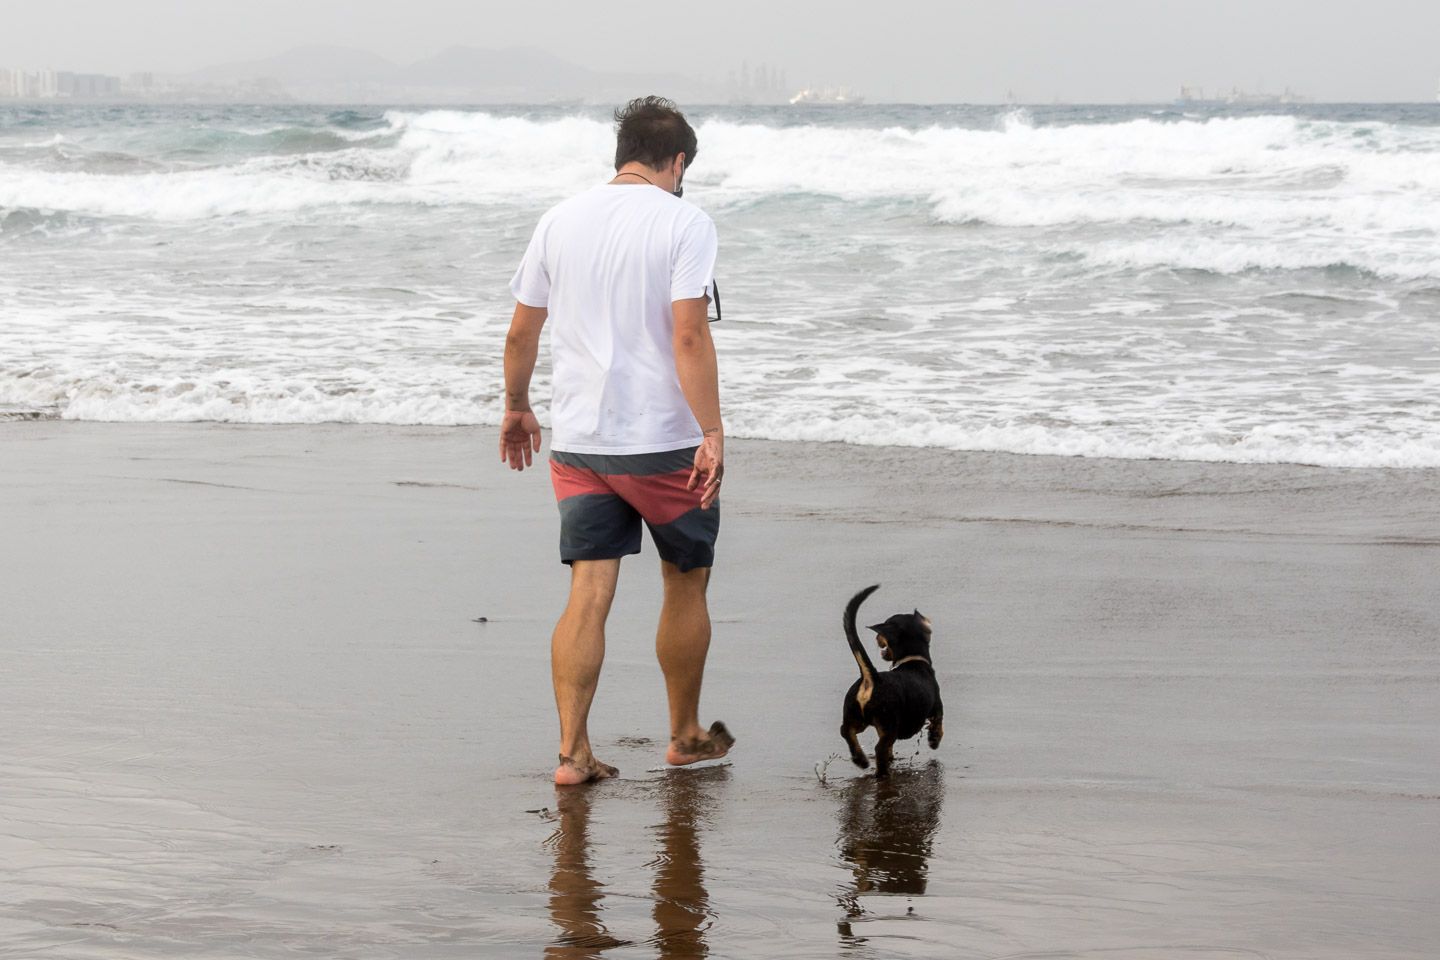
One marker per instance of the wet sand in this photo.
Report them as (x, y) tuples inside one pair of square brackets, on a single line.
[(1192, 710)]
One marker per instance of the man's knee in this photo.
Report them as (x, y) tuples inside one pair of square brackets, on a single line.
[(592, 583), (692, 581)]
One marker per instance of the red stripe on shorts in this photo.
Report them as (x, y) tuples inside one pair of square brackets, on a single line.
[(573, 481), (660, 497)]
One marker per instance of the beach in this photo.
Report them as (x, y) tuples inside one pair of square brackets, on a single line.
[(283, 690)]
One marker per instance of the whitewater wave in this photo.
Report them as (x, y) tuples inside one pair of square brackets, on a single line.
[(190, 195), (1318, 446), (1251, 172), (1404, 259), (439, 398), (445, 397)]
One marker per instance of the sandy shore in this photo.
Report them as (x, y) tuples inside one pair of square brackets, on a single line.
[(246, 710)]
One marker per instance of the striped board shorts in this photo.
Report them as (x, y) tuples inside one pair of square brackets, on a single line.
[(603, 498)]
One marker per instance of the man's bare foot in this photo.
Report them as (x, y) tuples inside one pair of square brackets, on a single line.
[(570, 774), (711, 747)]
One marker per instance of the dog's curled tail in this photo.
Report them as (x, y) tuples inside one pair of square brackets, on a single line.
[(867, 669)]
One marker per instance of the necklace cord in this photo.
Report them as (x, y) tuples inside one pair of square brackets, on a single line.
[(632, 173)]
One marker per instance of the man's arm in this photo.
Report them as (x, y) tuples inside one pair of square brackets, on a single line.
[(699, 375), (519, 430)]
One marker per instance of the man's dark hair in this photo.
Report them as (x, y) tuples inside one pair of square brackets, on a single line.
[(652, 130)]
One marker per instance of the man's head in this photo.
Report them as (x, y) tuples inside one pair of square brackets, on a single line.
[(651, 131)]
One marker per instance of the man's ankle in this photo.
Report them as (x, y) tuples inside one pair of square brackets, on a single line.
[(688, 732)]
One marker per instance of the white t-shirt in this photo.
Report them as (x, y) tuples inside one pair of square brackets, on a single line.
[(607, 264)]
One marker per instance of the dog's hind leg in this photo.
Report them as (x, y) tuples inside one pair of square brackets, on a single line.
[(884, 753), (857, 753), (852, 724)]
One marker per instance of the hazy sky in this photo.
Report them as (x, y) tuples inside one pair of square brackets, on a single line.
[(1088, 50)]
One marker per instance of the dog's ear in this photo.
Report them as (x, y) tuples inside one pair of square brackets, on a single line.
[(878, 627)]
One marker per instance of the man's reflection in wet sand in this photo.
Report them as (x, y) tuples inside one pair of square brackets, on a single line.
[(575, 894), (682, 905), (887, 830)]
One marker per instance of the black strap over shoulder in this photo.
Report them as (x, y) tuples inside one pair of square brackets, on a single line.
[(715, 296)]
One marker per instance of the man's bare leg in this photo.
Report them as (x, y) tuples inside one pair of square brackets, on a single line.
[(577, 648), (681, 644)]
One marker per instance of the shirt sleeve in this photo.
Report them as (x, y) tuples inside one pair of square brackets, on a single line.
[(694, 261), (531, 283)]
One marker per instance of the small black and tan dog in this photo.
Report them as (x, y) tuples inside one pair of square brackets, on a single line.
[(899, 702)]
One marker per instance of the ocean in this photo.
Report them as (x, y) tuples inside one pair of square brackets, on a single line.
[(1183, 283)]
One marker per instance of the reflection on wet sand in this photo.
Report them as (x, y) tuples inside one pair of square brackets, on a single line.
[(682, 906), (575, 894), (887, 830)]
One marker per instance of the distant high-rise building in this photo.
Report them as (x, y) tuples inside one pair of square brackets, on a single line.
[(53, 84)]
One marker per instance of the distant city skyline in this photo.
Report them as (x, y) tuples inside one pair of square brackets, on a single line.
[(329, 74), (1027, 50)]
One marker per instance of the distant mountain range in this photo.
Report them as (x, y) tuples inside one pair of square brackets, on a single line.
[(458, 74)]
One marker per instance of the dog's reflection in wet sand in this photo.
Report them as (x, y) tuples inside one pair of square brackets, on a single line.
[(887, 831), (681, 910)]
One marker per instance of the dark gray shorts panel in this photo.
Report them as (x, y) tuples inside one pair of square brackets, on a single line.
[(597, 526)]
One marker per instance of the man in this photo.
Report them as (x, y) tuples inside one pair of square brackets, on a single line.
[(624, 272)]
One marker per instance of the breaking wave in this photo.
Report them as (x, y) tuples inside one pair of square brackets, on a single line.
[(1285, 192)]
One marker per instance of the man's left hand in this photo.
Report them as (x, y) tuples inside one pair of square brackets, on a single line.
[(709, 470)]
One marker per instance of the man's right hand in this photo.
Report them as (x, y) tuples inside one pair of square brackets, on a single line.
[(519, 438)]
